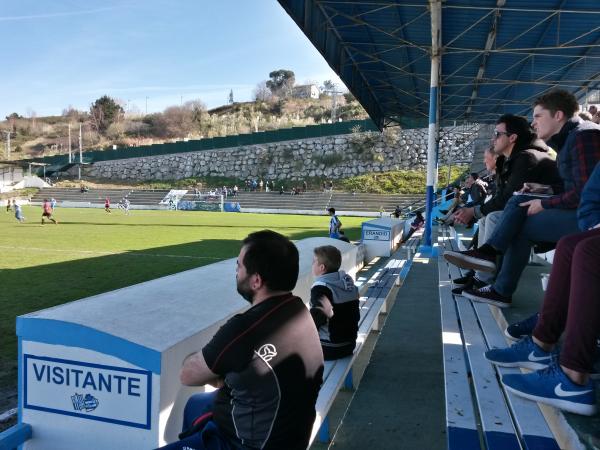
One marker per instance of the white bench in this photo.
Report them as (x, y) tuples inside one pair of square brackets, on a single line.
[(338, 373), (478, 409)]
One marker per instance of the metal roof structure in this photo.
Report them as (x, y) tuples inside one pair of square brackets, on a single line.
[(497, 56)]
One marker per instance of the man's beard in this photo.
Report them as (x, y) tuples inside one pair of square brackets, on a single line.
[(243, 288)]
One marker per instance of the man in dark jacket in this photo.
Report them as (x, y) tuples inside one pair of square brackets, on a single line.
[(528, 219), (477, 190)]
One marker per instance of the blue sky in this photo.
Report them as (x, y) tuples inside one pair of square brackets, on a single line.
[(56, 53)]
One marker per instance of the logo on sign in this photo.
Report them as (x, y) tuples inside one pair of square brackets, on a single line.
[(92, 391), (377, 235), (87, 403)]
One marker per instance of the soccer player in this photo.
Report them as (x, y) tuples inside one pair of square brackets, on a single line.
[(19, 213), (335, 224), (47, 212), (107, 205)]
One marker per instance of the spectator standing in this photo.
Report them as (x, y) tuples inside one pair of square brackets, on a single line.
[(334, 304), (267, 361)]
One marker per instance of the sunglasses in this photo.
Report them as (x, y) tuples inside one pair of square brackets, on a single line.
[(497, 134)]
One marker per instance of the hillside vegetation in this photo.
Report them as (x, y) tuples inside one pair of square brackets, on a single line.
[(44, 136)]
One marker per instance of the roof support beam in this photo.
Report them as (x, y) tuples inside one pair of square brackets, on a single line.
[(489, 43)]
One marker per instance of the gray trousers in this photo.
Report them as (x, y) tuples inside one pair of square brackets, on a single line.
[(487, 225)]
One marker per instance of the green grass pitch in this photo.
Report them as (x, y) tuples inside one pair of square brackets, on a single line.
[(91, 251)]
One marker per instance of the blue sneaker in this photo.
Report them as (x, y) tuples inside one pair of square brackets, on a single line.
[(551, 386), (524, 328), (525, 353)]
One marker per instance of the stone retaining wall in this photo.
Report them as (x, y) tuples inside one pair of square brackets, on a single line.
[(331, 157)]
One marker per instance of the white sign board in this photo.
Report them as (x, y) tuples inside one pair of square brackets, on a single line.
[(100, 392)]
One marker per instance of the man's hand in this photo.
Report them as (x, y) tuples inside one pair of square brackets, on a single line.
[(534, 206), (464, 215), (326, 307), (195, 372)]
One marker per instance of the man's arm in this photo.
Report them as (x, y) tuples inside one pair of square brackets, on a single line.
[(584, 155), (519, 173), (195, 371), (321, 308)]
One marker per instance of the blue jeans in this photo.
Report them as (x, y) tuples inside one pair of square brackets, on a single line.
[(207, 438), (517, 232)]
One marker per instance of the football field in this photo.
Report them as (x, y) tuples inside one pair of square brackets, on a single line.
[(91, 251)]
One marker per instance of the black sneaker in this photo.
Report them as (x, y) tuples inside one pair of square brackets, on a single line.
[(487, 294), (524, 328), (472, 259), (473, 284), (462, 281)]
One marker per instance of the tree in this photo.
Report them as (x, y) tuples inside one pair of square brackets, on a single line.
[(281, 82), (104, 112), (230, 98), (262, 93), (328, 86)]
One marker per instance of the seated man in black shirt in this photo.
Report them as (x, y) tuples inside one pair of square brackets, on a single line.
[(267, 361), (334, 303)]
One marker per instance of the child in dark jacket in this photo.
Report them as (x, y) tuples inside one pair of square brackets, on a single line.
[(334, 304)]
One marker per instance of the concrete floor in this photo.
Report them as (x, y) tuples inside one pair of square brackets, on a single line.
[(400, 400)]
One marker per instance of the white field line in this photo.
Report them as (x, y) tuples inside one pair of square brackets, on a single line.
[(94, 252)]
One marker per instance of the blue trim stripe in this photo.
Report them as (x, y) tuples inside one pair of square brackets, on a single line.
[(539, 443), (428, 215), (15, 436), (463, 439), (57, 332), (428, 251), (433, 97), (20, 383), (498, 440), (324, 436)]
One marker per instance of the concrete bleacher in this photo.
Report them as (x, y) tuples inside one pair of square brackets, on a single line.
[(317, 202), (74, 196), (142, 197), (311, 202)]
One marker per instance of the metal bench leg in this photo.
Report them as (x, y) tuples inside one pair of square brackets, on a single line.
[(324, 431), (349, 381)]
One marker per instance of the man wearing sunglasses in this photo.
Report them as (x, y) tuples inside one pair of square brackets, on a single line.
[(522, 158)]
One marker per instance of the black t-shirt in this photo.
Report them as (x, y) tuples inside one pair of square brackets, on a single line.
[(271, 360)]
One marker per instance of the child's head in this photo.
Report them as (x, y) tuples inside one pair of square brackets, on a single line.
[(327, 259)]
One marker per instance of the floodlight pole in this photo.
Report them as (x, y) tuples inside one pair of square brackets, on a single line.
[(7, 144), (435, 8), (70, 158), (80, 152)]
